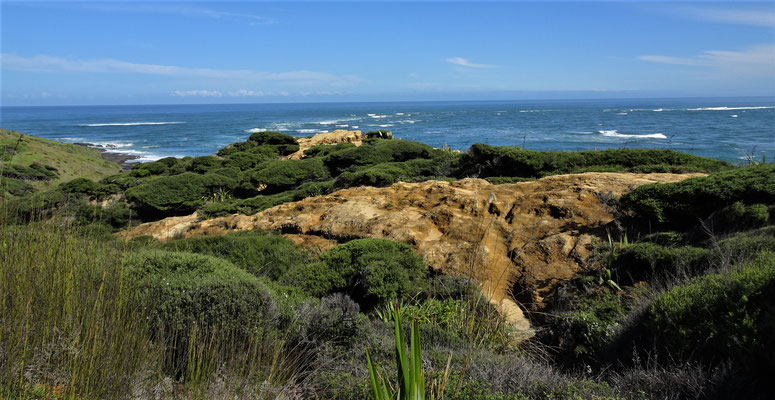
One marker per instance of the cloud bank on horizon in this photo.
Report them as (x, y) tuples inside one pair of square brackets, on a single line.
[(236, 52)]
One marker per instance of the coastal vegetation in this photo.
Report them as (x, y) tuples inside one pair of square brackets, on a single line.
[(677, 301)]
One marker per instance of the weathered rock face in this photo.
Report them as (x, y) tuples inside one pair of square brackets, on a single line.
[(517, 240), (335, 137)]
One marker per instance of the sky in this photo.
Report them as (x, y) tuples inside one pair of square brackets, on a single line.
[(68, 53)]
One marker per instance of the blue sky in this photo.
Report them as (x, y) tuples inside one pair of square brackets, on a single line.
[(245, 52)]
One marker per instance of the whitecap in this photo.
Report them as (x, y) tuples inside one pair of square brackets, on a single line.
[(307, 130), (658, 110), (728, 108), (132, 123), (255, 130), (733, 115), (615, 133), (621, 113)]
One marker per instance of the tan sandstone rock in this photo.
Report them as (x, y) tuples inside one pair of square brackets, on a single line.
[(517, 240)]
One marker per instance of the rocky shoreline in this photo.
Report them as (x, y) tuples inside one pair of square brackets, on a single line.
[(124, 160)]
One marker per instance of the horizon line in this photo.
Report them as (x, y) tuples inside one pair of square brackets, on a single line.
[(405, 101)]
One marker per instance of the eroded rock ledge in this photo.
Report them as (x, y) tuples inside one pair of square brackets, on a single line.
[(517, 240)]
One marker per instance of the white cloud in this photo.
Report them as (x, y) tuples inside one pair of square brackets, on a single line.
[(197, 93), (728, 15), (757, 60), (44, 63), (181, 10), (462, 62)]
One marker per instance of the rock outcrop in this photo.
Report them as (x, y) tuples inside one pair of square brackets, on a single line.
[(517, 240), (335, 137)]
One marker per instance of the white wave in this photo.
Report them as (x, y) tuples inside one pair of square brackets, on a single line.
[(342, 126), (615, 133), (132, 123), (621, 113), (355, 126), (728, 108), (107, 146), (399, 113), (733, 115), (582, 132), (408, 121), (255, 130), (377, 116), (307, 130), (529, 111), (658, 110), (385, 125)]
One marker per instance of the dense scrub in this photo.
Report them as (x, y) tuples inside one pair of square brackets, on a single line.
[(483, 161), (748, 192)]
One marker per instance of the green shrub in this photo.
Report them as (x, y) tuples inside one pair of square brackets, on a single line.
[(33, 172), (175, 195), (385, 174), (245, 160), (90, 188), (124, 180), (205, 164), (483, 161), (186, 289), (724, 315), (14, 187), (645, 261), (272, 138), (150, 168), (379, 152), (337, 319), (257, 252), (371, 271), (283, 175), (681, 204), (260, 203), (323, 150)]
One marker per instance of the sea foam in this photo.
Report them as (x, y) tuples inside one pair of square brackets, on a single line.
[(728, 108), (255, 130), (132, 123), (615, 133)]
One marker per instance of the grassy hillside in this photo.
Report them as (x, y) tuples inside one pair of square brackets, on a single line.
[(30, 162)]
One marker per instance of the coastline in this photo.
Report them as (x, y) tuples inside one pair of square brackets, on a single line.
[(124, 160)]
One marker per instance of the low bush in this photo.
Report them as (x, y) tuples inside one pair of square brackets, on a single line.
[(175, 195), (483, 161), (323, 150), (280, 176), (371, 271), (260, 253), (725, 315), (33, 172), (379, 152), (260, 203), (150, 168), (89, 188), (186, 289), (205, 164), (681, 204), (385, 174), (646, 261), (336, 319)]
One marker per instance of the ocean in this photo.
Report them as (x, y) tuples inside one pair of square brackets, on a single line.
[(724, 128)]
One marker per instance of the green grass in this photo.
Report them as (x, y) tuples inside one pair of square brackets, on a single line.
[(70, 161)]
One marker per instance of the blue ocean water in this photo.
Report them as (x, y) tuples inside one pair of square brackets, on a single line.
[(728, 128)]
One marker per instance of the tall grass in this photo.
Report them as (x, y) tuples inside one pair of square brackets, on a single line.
[(67, 320), (73, 326)]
